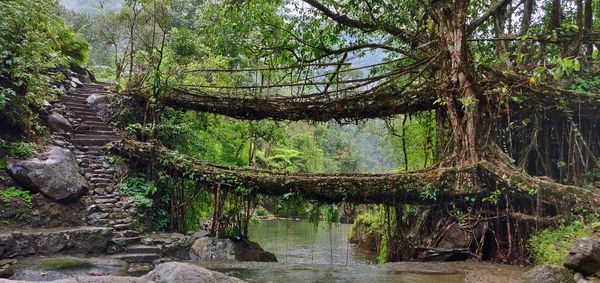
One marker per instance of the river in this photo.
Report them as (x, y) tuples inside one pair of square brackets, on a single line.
[(306, 254)]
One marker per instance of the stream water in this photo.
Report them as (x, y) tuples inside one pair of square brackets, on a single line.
[(307, 254)]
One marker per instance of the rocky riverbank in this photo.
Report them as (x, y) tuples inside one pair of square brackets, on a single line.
[(171, 272)]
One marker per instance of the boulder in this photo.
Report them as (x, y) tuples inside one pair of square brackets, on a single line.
[(211, 248), (58, 122), (178, 272), (547, 274), (6, 271), (79, 240), (252, 251), (584, 256), (100, 105), (57, 177)]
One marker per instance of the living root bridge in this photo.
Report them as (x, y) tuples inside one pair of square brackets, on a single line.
[(322, 108), (418, 187)]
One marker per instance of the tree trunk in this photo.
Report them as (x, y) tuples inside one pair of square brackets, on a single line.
[(587, 25), (459, 94)]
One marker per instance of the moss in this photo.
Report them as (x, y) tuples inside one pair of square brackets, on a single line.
[(551, 246), (61, 263)]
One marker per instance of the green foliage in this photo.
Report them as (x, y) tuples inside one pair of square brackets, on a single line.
[(21, 150), (32, 40), (494, 197), (565, 67), (430, 193), (113, 159), (13, 193), (139, 189), (552, 245), (73, 46), (372, 222)]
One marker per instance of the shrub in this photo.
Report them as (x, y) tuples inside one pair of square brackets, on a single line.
[(21, 150), (73, 46), (139, 189)]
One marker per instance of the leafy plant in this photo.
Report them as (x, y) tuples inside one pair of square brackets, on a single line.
[(21, 150), (429, 193), (139, 189), (13, 193)]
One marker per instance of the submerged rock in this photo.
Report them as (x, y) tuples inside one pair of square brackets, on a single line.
[(172, 272), (547, 274), (584, 256), (57, 177)]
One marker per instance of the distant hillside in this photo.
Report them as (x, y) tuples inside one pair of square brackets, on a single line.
[(91, 6)]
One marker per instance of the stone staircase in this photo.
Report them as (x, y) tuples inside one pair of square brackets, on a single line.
[(106, 206)]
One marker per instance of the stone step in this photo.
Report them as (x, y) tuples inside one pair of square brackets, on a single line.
[(127, 241), (101, 185), (104, 170), (102, 132), (143, 249), (122, 227), (90, 141), (95, 137), (70, 98), (105, 200), (127, 233), (137, 258), (81, 110), (94, 124), (75, 104), (87, 116)]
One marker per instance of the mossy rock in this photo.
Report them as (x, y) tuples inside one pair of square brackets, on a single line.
[(251, 251), (62, 263), (548, 273)]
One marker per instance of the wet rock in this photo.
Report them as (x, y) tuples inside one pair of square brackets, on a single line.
[(547, 274), (210, 248), (584, 256), (139, 268), (172, 272), (57, 177), (6, 271), (252, 251), (59, 122), (83, 240)]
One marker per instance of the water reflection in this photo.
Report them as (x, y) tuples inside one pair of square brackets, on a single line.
[(302, 242)]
